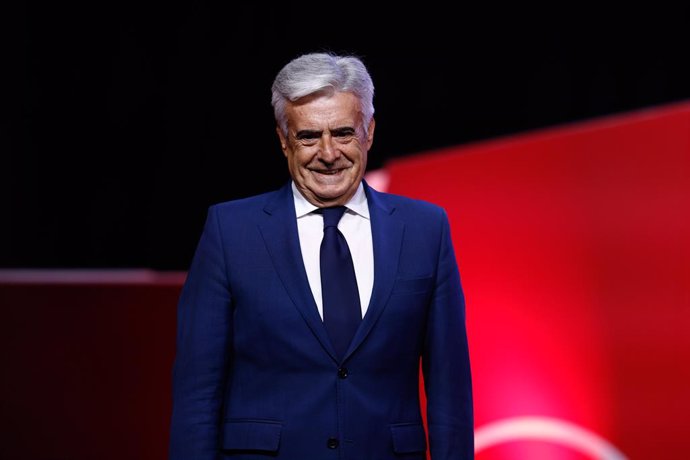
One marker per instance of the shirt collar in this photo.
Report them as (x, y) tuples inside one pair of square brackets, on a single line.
[(357, 204)]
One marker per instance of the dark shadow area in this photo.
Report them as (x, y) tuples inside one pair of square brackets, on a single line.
[(124, 122)]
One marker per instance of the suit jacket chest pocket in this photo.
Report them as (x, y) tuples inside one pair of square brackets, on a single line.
[(409, 300), (413, 285)]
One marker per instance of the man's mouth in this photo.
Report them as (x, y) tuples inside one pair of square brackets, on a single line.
[(327, 172)]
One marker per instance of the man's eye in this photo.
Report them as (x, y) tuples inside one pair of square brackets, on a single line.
[(307, 136), (343, 133)]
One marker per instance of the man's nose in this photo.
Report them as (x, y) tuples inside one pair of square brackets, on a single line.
[(329, 150)]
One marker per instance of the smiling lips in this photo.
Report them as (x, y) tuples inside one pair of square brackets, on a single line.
[(332, 171), (328, 177)]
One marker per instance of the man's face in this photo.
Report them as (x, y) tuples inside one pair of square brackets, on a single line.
[(326, 147)]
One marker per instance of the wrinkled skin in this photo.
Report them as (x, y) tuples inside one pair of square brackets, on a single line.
[(326, 147)]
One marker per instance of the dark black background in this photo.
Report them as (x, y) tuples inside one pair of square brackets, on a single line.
[(123, 122)]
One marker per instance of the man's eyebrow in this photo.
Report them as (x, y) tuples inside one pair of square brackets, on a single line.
[(313, 133), (345, 130)]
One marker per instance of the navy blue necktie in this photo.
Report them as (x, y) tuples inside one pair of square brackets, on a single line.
[(341, 307)]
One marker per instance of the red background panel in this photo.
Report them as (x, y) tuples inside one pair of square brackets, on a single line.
[(573, 250), (86, 369)]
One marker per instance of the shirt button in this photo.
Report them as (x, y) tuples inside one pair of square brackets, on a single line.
[(342, 372), (332, 443)]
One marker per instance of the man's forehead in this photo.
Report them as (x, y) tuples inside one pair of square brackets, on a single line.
[(336, 102)]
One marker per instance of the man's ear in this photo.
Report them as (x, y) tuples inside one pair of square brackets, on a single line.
[(370, 133)]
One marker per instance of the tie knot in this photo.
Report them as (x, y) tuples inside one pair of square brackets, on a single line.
[(332, 215)]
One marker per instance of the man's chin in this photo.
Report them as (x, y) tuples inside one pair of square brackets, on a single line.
[(329, 194)]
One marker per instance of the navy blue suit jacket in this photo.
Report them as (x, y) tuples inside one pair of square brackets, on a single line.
[(256, 376)]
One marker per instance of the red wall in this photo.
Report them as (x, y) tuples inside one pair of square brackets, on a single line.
[(86, 365), (573, 245)]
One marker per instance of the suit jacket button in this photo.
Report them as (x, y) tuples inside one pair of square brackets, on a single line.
[(342, 372), (332, 443)]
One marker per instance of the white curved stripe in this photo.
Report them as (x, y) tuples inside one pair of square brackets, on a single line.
[(546, 429)]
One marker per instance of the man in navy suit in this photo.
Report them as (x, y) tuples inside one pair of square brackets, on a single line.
[(257, 373)]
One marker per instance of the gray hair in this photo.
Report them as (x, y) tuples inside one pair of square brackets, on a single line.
[(322, 72)]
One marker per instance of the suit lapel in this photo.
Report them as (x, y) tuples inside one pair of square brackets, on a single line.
[(387, 233), (279, 231)]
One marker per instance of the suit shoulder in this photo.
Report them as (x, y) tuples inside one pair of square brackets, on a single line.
[(237, 204), (241, 209)]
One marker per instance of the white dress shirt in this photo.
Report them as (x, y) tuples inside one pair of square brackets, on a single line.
[(355, 225)]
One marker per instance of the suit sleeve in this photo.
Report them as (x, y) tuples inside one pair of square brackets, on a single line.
[(445, 362), (204, 327)]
